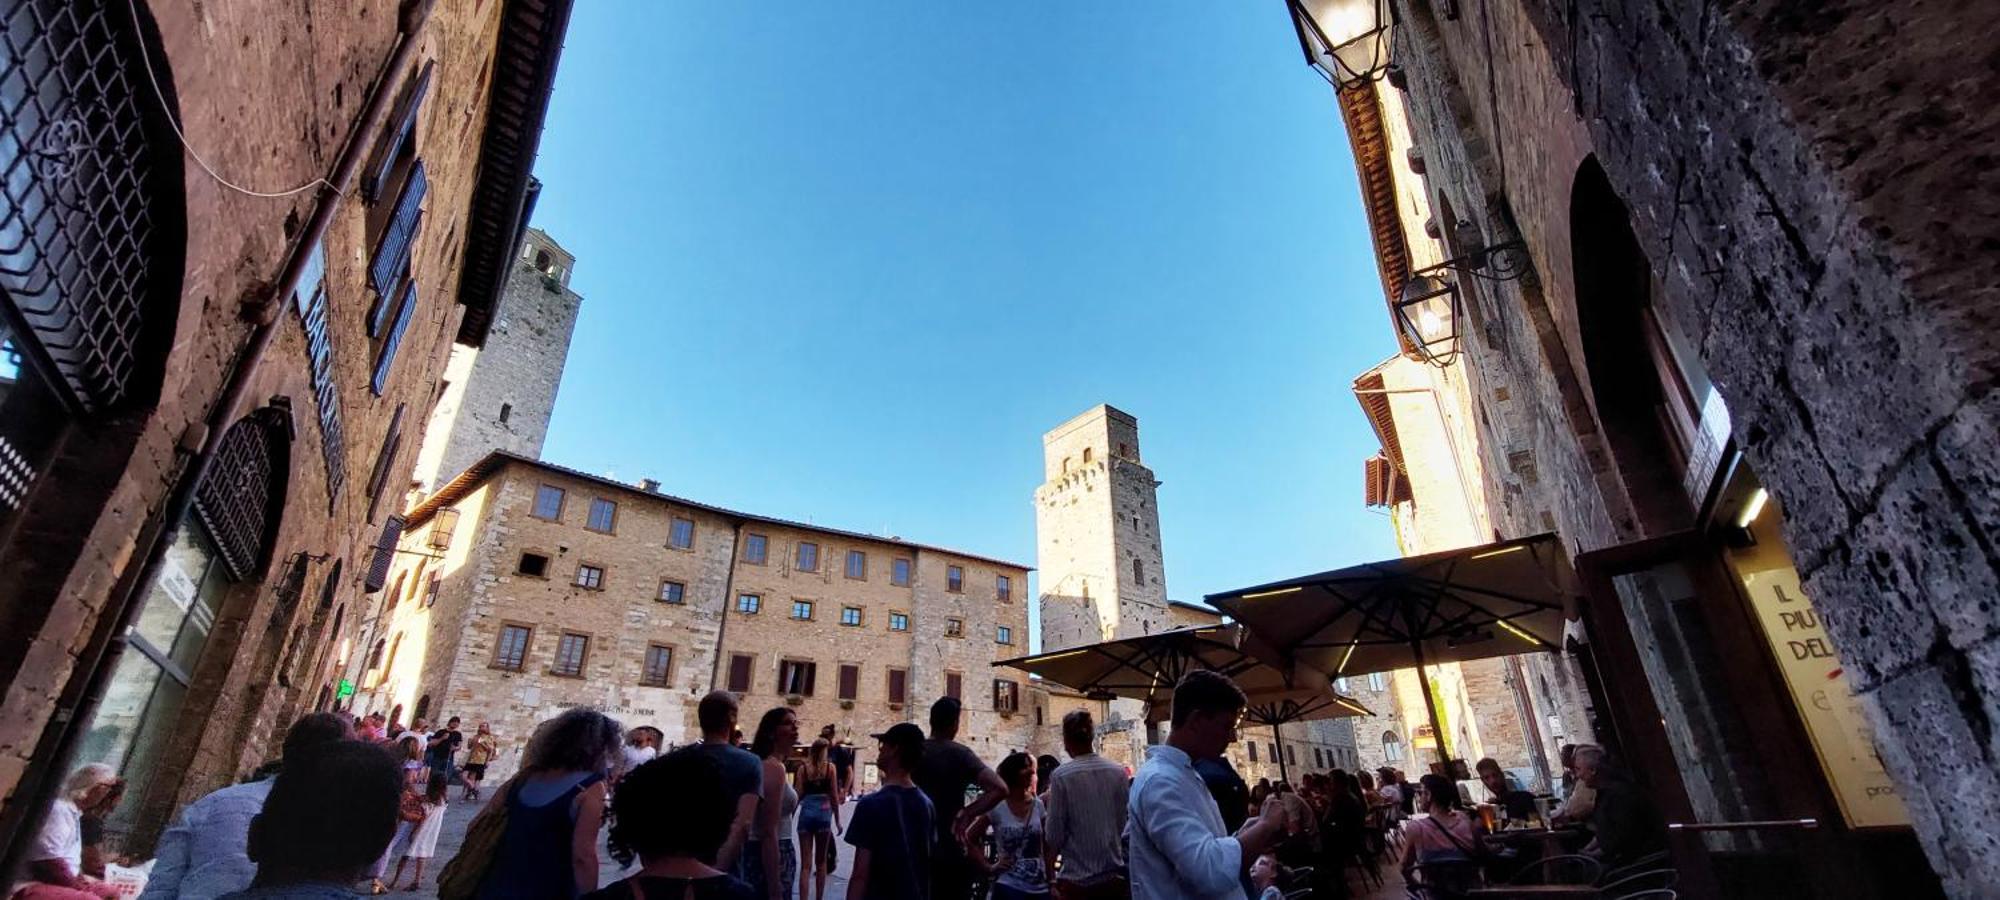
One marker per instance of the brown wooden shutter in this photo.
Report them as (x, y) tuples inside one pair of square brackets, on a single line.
[(850, 682), (898, 685), (812, 675), (739, 674), (385, 553), (952, 685)]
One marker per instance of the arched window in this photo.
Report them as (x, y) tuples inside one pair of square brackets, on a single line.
[(1086, 456), (423, 707), (1392, 747), (375, 654)]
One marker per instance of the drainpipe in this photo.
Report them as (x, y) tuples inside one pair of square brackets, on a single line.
[(85, 690), (722, 622)]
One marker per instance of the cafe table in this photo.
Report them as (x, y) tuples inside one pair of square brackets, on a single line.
[(1537, 891)]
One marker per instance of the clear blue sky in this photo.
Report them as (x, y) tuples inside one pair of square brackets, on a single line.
[(847, 262)]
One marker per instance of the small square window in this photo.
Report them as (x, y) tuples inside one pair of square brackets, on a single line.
[(899, 573), (1006, 696), (749, 604), (857, 565), (681, 535), (808, 557), (954, 579), (603, 515), (589, 576), (850, 615), (1375, 681), (954, 628), (659, 665), (1003, 588), (533, 565), (1003, 635), (802, 610), (899, 622), (512, 649), (756, 548), (572, 651), (548, 503), (673, 592)]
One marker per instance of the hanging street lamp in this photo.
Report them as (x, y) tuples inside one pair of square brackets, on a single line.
[(1346, 40)]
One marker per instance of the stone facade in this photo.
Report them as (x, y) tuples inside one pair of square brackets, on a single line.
[(932, 616), (501, 395), (269, 97), (1776, 171)]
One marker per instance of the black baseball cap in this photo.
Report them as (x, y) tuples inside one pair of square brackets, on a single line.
[(902, 734)]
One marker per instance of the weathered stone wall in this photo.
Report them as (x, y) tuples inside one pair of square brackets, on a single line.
[(517, 372)]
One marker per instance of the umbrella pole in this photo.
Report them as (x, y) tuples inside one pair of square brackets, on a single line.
[(1278, 743), (1430, 705)]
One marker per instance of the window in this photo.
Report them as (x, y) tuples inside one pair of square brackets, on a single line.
[(1340, 685), (739, 672), (850, 615), (603, 515), (899, 573), (1273, 747), (659, 665), (802, 610), (899, 686), (755, 548), (1006, 696), (1292, 755), (673, 592), (548, 503), (533, 565), (857, 565), (385, 459), (431, 588), (1086, 456), (954, 684), (571, 651), (681, 535), (954, 579), (395, 595), (808, 557), (1138, 570), (590, 577), (1003, 635), (1003, 588), (1252, 747), (796, 677), (506, 412), (899, 621), (1319, 759), (749, 604), (508, 654), (850, 681), (1392, 747), (385, 356), (1375, 682), (954, 628)]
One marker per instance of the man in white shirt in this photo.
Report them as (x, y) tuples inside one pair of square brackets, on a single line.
[(1177, 844), (1085, 820)]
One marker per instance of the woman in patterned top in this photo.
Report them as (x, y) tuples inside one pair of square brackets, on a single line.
[(1020, 872)]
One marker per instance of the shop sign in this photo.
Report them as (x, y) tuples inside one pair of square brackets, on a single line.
[(309, 300), (1832, 714)]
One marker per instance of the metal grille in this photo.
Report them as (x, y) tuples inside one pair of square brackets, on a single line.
[(76, 181), (240, 497)]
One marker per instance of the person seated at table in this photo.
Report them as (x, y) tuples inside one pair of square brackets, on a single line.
[(1443, 843), (1578, 798), (1269, 877), (1514, 803), (1628, 826)]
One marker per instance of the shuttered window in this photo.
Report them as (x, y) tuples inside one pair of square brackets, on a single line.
[(509, 654), (899, 686), (659, 663), (850, 681), (394, 339), (797, 677), (571, 652), (385, 461), (398, 140), (390, 265), (954, 683), (739, 673), (1006, 696), (385, 554)]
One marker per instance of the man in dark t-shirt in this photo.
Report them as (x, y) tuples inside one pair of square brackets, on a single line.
[(948, 769), (892, 831), (742, 772), (442, 748)]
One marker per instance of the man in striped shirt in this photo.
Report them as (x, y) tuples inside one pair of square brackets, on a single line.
[(1086, 817)]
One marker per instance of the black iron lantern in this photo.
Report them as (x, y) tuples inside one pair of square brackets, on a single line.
[(1427, 308), (1346, 40)]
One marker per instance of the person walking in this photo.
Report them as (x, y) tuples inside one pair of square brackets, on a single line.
[(742, 775), (423, 842), (204, 854), (772, 855), (548, 850), (416, 778), (842, 757), (327, 818), (1086, 816), (1178, 846), (642, 745), (673, 813), (1020, 870), (819, 817), (478, 753), (948, 769), (441, 749), (894, 829)]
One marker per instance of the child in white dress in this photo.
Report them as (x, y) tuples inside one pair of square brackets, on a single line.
[(424, 841)]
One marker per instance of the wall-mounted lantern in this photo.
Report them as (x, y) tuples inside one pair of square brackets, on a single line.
[(1427, 309), (1346, 40)]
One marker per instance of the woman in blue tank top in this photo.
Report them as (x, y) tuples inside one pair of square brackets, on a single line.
[(554, 808)]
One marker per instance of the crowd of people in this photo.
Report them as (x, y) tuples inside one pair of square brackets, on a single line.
[(760, 820)]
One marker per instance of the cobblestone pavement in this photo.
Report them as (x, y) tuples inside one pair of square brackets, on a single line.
[(459, 814)]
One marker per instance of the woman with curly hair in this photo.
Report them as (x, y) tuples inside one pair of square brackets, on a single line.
[(554, 808), (673, 813)]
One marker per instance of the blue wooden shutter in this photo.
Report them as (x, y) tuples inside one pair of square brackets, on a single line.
[(395, 338), (401, 130), (392, 253)]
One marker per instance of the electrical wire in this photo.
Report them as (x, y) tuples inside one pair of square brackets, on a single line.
[(160, 96)]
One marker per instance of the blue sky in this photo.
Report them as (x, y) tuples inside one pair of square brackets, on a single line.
[(847, 263)]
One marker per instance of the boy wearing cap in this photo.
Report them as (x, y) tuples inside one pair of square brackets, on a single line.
[(892, 828)]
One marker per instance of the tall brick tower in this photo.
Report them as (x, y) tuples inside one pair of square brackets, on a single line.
[(501, 397), (1097, 537)]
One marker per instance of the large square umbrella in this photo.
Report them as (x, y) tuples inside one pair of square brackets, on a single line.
[(1147, 667), (1475, 603)]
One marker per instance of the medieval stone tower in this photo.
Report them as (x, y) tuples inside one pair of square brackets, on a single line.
[(501, 397), (1097, 537)]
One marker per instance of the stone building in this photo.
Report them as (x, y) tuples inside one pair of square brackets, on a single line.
[(1718, 331), (501, 394), (216, 353), (522, 588)]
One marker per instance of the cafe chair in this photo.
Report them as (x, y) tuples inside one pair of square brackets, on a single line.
[(1647, 863), (1571, 868), (1657, 894), (1639, 884)]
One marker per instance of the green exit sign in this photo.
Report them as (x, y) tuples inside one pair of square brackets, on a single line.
[(345, 690)]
